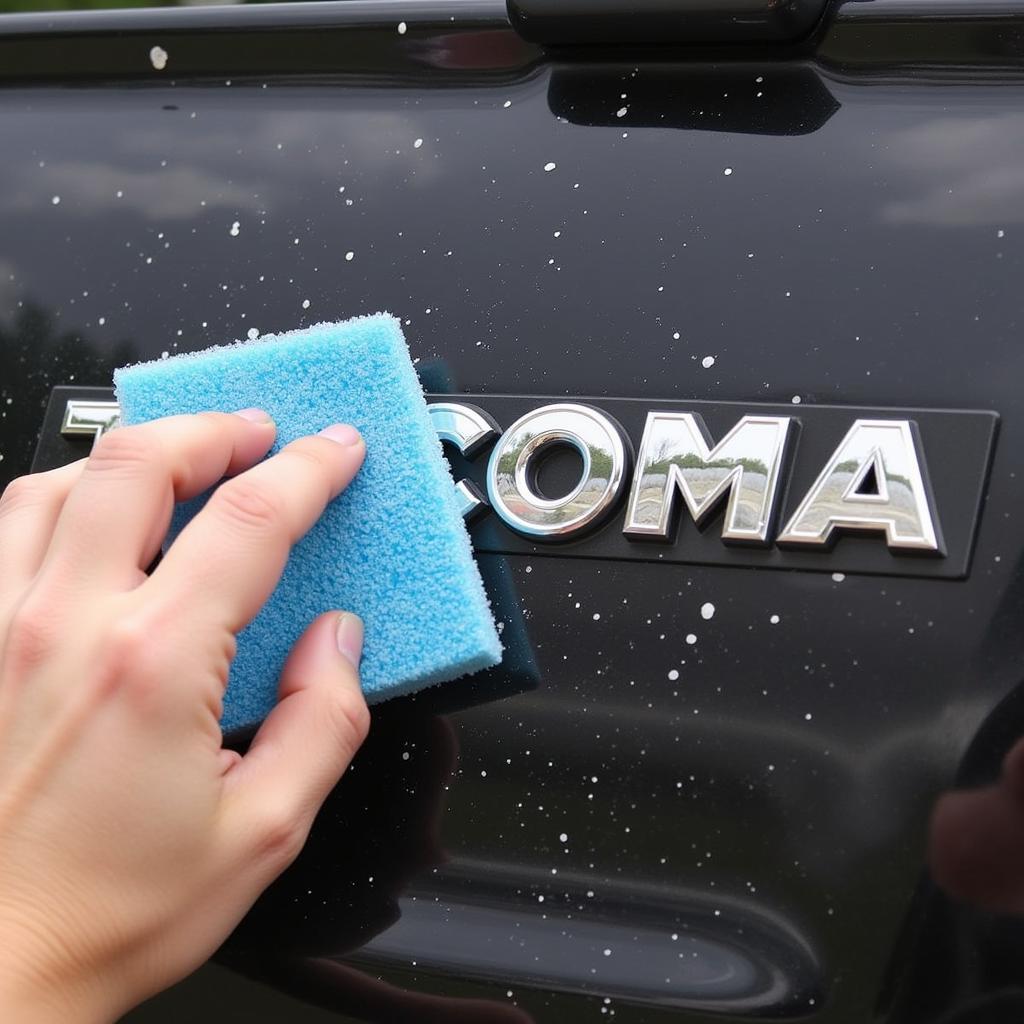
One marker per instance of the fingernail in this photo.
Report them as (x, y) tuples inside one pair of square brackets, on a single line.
[(254, 415), (343, 433), (349, 636)]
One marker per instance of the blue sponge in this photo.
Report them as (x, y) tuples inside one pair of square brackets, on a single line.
[(392, 548)]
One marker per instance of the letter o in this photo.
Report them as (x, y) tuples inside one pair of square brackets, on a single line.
[(606, 456)]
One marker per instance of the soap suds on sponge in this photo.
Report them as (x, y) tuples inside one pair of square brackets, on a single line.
[(393, 547)]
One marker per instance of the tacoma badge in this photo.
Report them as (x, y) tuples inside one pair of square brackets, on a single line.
[(886, 491)]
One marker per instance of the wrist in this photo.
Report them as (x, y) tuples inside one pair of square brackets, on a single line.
[(30, 993)]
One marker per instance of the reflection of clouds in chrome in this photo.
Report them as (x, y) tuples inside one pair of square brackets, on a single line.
[(954, 188)]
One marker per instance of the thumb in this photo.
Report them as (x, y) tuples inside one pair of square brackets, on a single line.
[(301, 750)]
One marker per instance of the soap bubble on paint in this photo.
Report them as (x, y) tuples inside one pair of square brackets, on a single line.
[(774, 620), (707, 610), (158, 58), (55, 200), (236, 227), (550, 165), (838, 577), (350, 256), (673, 674), (691, 638), (621, 112), (253, 333), (707, 362), (417, 144), (305, 303), (727, 171)]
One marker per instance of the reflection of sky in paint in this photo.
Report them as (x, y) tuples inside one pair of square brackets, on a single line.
[(167, 172), (953, 188), (465, 226)]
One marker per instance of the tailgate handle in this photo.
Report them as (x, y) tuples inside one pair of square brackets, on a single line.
[(664, 22)]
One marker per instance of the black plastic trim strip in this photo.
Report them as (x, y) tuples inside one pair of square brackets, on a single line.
[(971, 39), (928, 10), (234, 17)]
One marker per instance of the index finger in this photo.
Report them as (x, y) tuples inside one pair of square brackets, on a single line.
[(118, 511), (228, 559)]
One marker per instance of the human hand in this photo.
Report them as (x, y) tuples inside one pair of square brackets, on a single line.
[(131, 842)]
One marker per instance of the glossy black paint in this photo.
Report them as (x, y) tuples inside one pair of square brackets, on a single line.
[(767, 806)]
